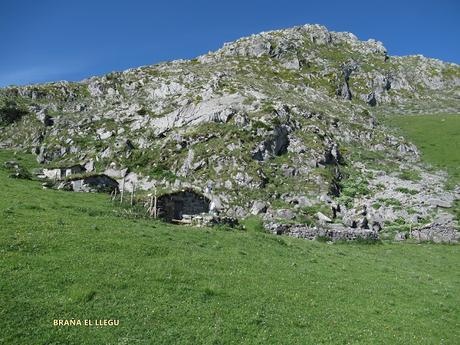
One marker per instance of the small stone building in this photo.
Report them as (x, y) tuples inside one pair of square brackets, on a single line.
[(173, 206), (92, 183), (59, 173)]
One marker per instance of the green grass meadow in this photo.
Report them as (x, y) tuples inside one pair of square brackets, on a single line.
[(69, 255), (437, 137)]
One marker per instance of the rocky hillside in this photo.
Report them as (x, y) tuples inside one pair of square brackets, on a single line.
[(282, 124)]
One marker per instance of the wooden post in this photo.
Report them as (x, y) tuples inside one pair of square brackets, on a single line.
[(150, 209), (133, 185), (122, 190), (155, 203)]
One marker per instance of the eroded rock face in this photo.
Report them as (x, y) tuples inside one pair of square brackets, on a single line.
[(113, 171), (215, 110), (263, 126), (275, 144), (258, 207)]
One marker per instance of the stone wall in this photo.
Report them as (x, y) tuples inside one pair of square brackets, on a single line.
[(206, 219), (332, 232)]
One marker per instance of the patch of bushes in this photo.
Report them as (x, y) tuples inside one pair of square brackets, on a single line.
[(21, 173), (268, 108), (400, 221), (259, 124), (198, 99), (376, 206), (323, 239), (314, 209), (16, 170), (390, 202), (355, 188), (253, 224), (352, 187), (406, 191), (11, 112), (306, 219), (410, 175), (162, 171)]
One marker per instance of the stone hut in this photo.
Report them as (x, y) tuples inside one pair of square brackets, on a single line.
[(90, 183), (174, 206), (59, 173)]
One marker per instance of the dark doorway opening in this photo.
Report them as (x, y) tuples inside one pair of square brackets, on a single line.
[(174, 206)]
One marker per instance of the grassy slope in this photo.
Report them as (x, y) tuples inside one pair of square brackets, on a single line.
[(65, 255), (437, 137)]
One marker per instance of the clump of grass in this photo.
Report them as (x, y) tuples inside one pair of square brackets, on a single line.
[(390, 202), (366, 241), (410, 175), (253, 224), (376, 205), (352, 187), (323, 239), (406, 191)]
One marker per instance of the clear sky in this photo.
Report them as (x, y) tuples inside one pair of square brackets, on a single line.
[(46, 40)]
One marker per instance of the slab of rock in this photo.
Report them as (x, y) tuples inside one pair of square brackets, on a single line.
[(323, 218), (258, 207), (400, 236), (115, 172), (440, 203), (214, 110)]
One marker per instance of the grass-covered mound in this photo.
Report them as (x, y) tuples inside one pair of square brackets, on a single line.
[(69, 255)]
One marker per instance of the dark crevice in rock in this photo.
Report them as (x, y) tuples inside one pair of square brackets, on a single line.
[(275, 145), (371, 99)]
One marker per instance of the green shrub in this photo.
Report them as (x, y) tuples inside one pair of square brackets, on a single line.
[(322, 239), (253, 224), (410, 175), (21, 173), (390, 202), (16, 170), (406, 191), (161, 171), (142, 111), (354, 187), (10, 112)]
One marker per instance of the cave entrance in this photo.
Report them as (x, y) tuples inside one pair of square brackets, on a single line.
[(173, 206)]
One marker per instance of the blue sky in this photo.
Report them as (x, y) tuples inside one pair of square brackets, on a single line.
[(46, 40)]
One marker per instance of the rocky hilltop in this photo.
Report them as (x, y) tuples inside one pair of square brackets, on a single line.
[(282, 124)]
